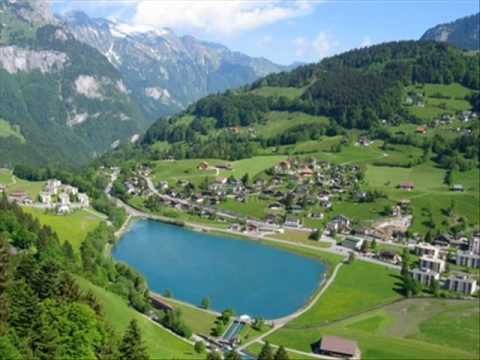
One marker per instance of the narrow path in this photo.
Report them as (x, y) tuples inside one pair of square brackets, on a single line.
[(279, 323)]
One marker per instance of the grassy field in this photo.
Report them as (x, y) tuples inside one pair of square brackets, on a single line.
[(409, 329), (7, 130), (255, 207), (5, 176), (441, 99), (32, 188), (199, 321), (279, 122), (160, 343), (430, 192), (73, 227), (301, 237), (289, 92)]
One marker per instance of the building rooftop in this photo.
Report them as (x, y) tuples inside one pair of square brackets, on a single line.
[(338, 345)]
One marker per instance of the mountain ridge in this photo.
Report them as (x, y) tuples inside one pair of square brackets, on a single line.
[(463, 32)]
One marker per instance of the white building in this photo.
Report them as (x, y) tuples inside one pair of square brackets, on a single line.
[(45, 198), (468, 259), (432, 263), (53, 186), (84, 200), (64, 199), (475, 245), (426, 249), (70, 190), (425, 276), (63, 209), (463, 284)]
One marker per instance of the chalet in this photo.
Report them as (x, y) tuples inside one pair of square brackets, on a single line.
[(306, 172), (235, 227), (353, 243), (443, 240), (292, 221), (163, 185), (202, 166), (317, 216), (432, 263), (221, 180), (364, 141), (19, 197), (426, 249), (468, 259), (462, 284), (339, 223), (390, 257), (296, 209), (275, 206), (457, 188), (227, 167), (338, 347), (425, 276), (421, 130), (409, 186)]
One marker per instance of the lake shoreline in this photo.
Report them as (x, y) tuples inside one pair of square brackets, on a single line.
[(322, 268)]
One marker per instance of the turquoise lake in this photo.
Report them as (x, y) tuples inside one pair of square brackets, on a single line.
[(248, 277)]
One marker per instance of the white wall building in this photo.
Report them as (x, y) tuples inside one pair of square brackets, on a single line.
[(462, 284), (475, 245), (432, 263), (425, 276), (468, 259), (426, 249)]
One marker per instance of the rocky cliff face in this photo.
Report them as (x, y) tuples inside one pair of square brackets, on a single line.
[(463, 33), (164, 72), (65, 97)]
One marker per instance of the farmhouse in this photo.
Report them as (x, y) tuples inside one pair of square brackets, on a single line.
[(53, 186), (457, 188), (468, 259), (84, 200), (339, 223), (421, 130), (432, 263), (338, 347), (409, 186), (425, 276), (462, 284), (45, 198), (390, 257)]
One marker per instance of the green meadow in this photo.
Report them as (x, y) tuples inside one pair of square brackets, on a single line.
[(161, 344)]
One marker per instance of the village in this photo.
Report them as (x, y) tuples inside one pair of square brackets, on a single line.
[(59, 198), (297, 189)]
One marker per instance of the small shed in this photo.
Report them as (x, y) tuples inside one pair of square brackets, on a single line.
[(338, 347)]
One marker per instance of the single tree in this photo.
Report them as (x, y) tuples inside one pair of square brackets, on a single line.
[(281, 354), (199, 347), (132, 346), (214, 355), (266, 353), (351, 257), (4, 281), (205, 303)]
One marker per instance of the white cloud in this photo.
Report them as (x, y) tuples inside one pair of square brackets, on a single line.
[(323, 45), (219, 17), (366, 41)]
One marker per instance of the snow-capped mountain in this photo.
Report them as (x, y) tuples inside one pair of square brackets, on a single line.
[(164, 72)]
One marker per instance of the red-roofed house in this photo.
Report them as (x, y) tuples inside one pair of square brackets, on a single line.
[(339, 347)]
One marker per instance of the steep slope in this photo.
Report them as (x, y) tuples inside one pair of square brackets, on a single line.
[(65, 99), (165, 72), (462, 33)]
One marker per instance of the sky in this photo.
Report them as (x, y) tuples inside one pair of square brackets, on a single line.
[(284, 31)]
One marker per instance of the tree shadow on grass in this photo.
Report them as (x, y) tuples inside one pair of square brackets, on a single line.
[(398, 285)]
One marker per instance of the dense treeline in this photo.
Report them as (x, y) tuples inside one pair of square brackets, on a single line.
[(406, 61), (43, 312), (87, 181)]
